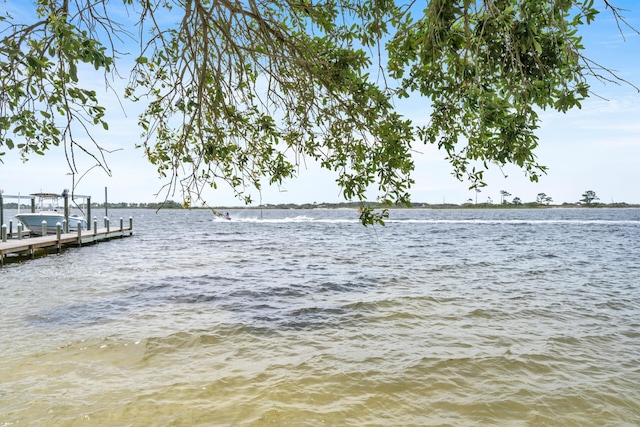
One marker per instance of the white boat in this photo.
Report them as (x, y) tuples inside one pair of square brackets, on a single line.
[(49, 211)]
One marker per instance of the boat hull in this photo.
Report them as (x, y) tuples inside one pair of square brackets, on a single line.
[(33, 221)]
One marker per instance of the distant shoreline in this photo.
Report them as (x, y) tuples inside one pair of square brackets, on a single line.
[(350, 205), (532, 205)]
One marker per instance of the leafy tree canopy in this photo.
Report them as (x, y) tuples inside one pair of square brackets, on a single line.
[(236, 91), (589, 196)]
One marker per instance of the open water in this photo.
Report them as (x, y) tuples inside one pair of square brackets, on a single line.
[(306, 318)]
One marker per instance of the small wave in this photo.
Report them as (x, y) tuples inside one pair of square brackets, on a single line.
[(308, 219), (514, 221), (288, 220)]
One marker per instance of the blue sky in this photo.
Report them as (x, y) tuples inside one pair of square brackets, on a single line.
[(595, 148)]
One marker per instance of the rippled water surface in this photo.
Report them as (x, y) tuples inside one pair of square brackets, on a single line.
[(304, 317)]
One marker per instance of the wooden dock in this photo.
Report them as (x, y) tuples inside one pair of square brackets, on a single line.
[(28, 247)]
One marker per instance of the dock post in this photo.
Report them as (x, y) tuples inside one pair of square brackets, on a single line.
[(88, 213), (58, 233), (80, 235), (65, 226), (65, 196), (44, 227), (106, 223), (10, 229), (130, 223), (20, 231), (121, 225), (95, 225), (4, 232)]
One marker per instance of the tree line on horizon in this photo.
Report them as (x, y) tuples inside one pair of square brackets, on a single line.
[(589, 199)]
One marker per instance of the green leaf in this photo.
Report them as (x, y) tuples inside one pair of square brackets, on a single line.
[(537, 46), (73, 72)]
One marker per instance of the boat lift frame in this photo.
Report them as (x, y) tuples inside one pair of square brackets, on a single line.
[(65, 195)]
